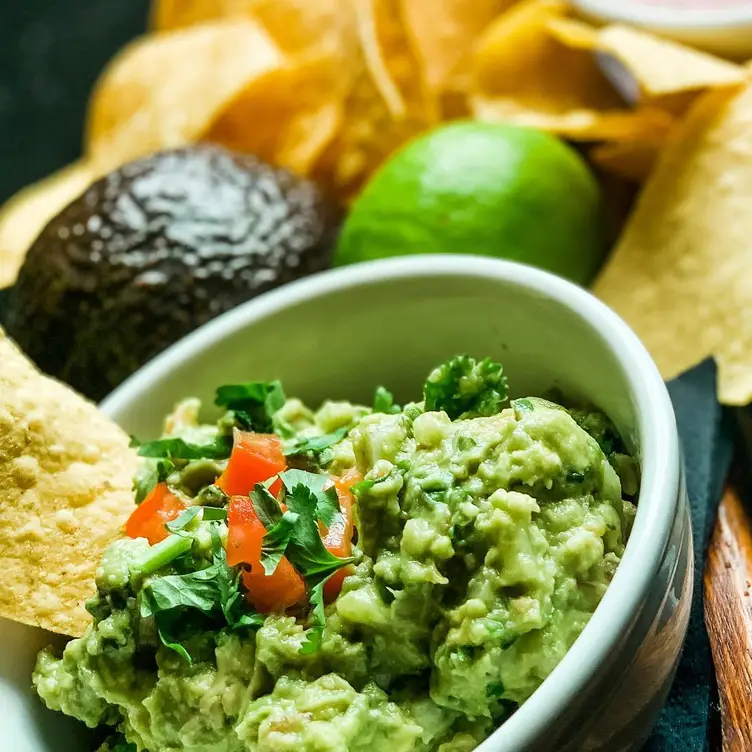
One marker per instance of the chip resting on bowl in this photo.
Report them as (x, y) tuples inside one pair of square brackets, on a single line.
[(65, 492)]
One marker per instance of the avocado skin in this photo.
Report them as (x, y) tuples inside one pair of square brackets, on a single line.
[(155, 249)]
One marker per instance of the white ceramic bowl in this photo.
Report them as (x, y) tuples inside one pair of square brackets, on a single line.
[(340, 333)]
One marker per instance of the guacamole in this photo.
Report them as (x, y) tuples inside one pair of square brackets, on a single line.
[(355, 578)]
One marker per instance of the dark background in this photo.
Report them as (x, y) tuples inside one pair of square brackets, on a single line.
[(51, 52)]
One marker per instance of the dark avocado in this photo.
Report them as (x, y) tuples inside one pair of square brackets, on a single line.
[(155, 249)]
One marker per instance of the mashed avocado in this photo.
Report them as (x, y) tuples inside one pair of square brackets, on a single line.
[(485, 535)]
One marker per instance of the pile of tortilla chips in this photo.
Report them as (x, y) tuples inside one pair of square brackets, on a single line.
[(65, 491), (330, 88)]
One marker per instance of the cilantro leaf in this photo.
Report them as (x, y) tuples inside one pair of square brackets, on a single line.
[(276, 540), (189, 514), (318, 618), (521, 406), (383, 402), (179, 449), (314, 444), (266, 506), (464, 388), (196, 590), (149, 474), (306, 550), (183, 520), (212, 593), (253, 402), (322, 488)]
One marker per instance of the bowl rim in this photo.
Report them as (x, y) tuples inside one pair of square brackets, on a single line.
[(656, 427)]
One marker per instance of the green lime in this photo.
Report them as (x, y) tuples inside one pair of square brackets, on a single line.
[(485, 189)]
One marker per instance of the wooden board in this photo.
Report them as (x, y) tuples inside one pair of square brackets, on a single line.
[(728, 616)]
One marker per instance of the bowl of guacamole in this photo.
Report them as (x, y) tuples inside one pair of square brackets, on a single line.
[(422, 504)]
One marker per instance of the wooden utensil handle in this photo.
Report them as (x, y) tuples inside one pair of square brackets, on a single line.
[(728, 617)]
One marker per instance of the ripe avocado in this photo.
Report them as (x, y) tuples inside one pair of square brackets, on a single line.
[(155, 249)]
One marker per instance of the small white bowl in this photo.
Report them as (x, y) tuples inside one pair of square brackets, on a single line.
[(340, 333)]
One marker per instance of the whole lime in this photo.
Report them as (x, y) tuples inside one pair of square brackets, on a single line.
[(484, 189)]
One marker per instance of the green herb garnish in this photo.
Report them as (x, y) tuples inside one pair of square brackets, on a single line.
[(276, 540), (327, 502), (266, 506), (164, 553), (213, 592), (315, 444), (383, 402), (189, 514), (315, 634), (465, 388), (149, 474), (253, 402), (179, 449)]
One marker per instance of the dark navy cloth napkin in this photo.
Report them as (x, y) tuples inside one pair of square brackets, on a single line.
[(706, 433)]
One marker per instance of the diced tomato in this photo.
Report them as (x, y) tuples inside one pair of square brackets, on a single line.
[(150, 516), (255, 457), (338, 538), (274, 592)]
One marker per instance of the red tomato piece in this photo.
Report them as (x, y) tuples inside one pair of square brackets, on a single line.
[(150, 516), (255, 457), (274, 592), (338, 538)]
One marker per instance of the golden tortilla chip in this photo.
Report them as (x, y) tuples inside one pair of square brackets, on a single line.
[(387, 105), (661, 67), (287, 117), (526, 76), (24, 215), (649, 69), (164, 91), (443, 32), (681, 274), (295, 25), (65, 492), (632, 160)]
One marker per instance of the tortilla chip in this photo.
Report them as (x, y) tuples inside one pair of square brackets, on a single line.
[(24, 215), (65, 492), (661, 67), (287, 117), (681, 274), (632, 160), (648, 69), (296, 26), (443, 32), (387, 105), (164, 91), (526, 76)]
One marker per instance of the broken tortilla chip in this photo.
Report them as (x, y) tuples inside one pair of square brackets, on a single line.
[(681, 274), (442, 34), (387, 104), (297, 26), (287, 117), (25, 214), (164, 91), (526, 76), (65, 491), (663, 68), (648, 69), (632, 160)]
